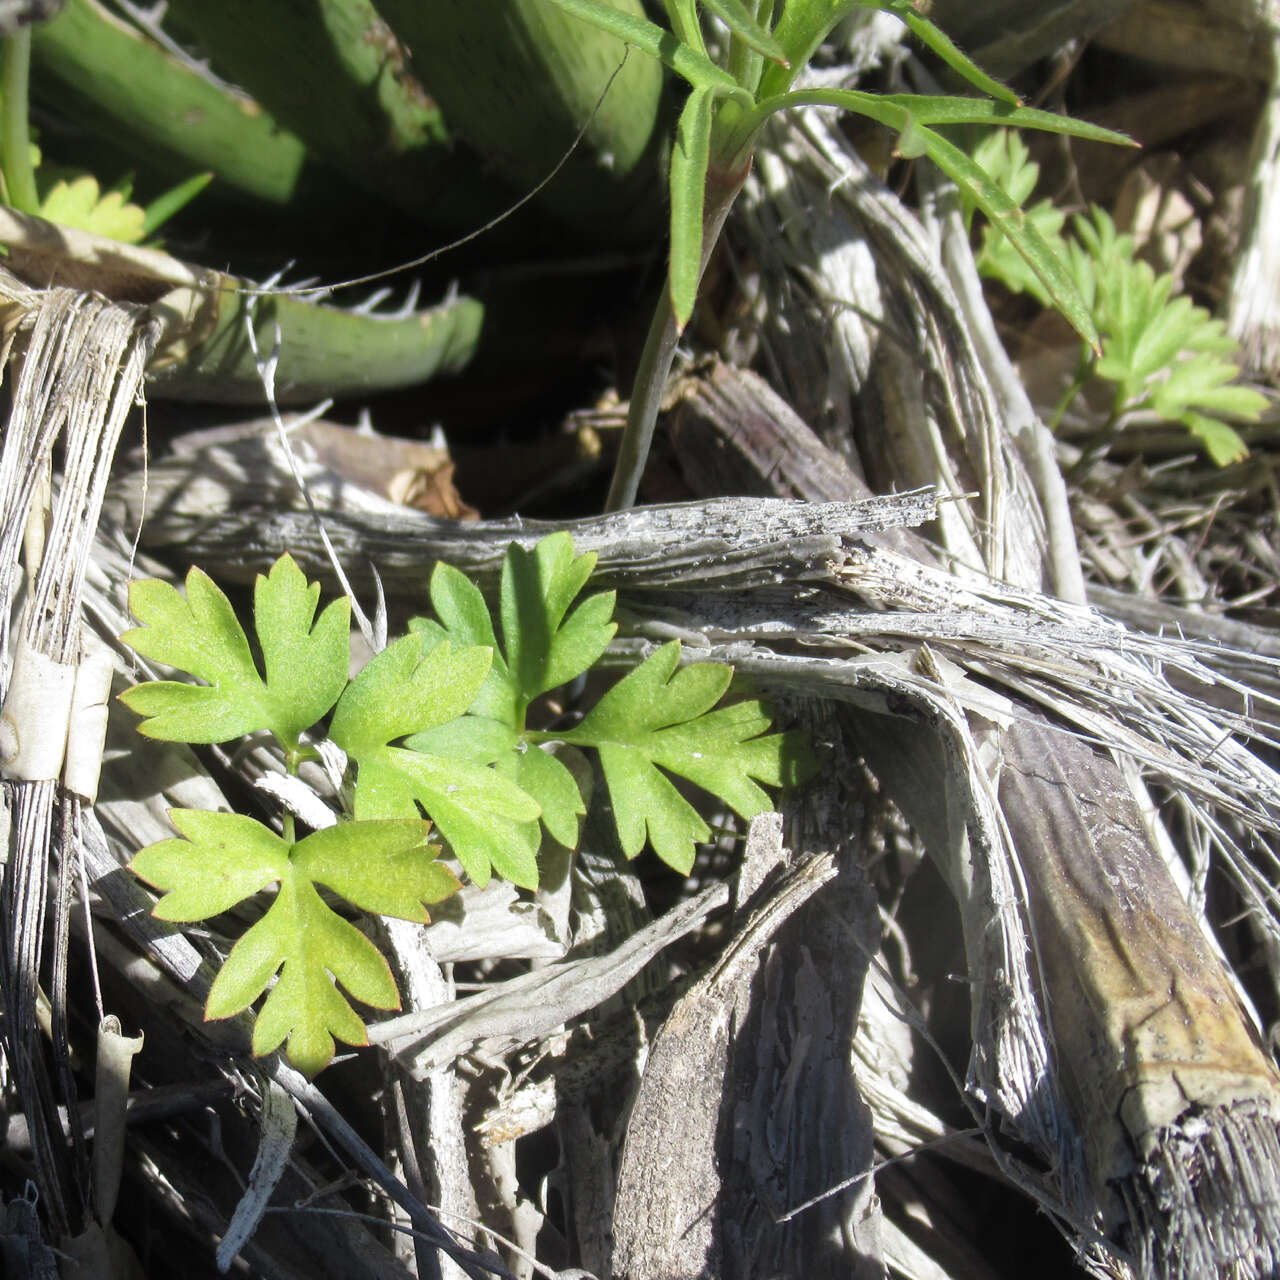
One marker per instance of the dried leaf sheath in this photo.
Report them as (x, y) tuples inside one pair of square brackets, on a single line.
[(81, 373)]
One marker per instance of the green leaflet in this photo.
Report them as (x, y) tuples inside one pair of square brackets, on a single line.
[(479, 811), (224, 858), (545, 644), (658, 717), (306, 664)]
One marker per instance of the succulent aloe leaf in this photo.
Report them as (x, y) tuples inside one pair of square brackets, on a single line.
[(119, 82), (324, 351), (519, 80), (334, 73)]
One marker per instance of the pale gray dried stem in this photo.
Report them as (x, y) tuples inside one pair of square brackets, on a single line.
[(81, 372), (1043, 843)]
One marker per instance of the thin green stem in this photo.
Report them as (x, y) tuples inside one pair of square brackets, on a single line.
[(1084, 371), (15, 142), (646, 398), (659, 353)]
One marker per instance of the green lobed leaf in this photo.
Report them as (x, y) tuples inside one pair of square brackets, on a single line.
[(1160, 349), (660, 718), (473, 739), (221, 859), (403, 690), (81, 203), (464, 620), (224, 858), (546, 645), (542, 776), (1223, 444), (688, 180), (306, 665), (489, 822), (302, 939)]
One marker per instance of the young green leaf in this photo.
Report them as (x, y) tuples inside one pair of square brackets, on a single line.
[(404, 691), (689, 162), (464, 620), (306, 664), (82, 203), (660, 718), (386, 867), (1162, 351), (545, 645)]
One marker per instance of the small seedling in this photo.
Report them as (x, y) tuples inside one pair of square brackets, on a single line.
[(1161, 352), (436, 730), (720, 126)]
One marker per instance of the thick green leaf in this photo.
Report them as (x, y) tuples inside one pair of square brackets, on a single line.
[(658, 717), (306, 665), (689, 162), (224, 858), (650, 38)]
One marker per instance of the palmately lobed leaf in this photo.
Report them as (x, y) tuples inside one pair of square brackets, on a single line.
[(660, 717), (544, 644), (306, 659), (200, 634), (386, 868), (488, 821), (222, 859), (306, 941), (403, 690)]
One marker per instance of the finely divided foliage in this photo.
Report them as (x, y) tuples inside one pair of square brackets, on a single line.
[(1160, 351), (434, 725)]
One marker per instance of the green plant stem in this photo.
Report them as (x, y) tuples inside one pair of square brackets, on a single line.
[(1084, 371), (660, 349), (15, 153)]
